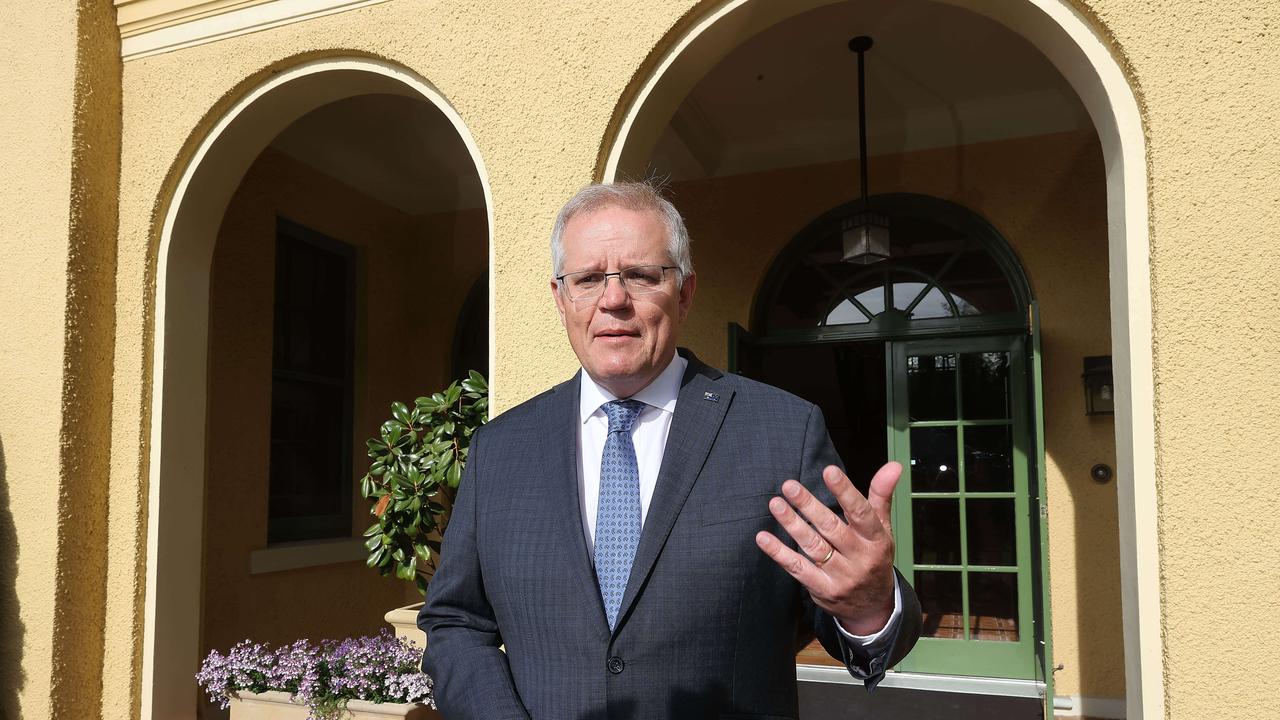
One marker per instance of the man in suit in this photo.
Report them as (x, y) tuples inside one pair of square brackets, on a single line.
[(624, 545)]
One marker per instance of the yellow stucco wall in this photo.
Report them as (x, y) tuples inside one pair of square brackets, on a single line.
[(1046, 196), (33, 274), (59, 151), (537, 84)]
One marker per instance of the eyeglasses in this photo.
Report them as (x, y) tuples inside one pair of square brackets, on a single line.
[(637, 280)]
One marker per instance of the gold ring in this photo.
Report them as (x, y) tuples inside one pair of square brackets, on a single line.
[(830, 551)]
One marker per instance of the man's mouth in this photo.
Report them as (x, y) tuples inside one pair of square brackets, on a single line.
[(616, 334)]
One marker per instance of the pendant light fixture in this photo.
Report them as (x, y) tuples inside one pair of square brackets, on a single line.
[(865, 233)]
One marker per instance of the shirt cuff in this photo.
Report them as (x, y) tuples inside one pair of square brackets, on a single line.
[(866, 656), (870, 641)]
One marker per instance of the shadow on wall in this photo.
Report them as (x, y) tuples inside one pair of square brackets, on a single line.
[(12, 678)]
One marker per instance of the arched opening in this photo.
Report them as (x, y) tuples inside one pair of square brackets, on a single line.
[(1015, 111), (306, 235)]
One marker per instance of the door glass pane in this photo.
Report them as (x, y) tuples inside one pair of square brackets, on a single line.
[(940, 603), (846, 313), (933, 460), (931, 387), (934, 305), (936, 530), (993, 606), (992, 538), (988, 458), (984, 383)]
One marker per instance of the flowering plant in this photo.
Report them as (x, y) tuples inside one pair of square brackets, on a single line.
[(323, 676)]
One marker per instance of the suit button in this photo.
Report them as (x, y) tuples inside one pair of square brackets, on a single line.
[(615, 665)]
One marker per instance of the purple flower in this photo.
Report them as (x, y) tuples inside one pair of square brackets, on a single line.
[(324, 676)]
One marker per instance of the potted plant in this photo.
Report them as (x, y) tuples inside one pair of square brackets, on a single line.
[(366, 678), (416, 465)]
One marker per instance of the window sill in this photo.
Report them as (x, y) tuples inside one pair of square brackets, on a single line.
[(307, 553)]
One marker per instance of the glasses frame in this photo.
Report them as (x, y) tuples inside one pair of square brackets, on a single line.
[(604, 285)]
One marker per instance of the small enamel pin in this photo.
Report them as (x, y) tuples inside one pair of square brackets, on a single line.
[(713, 397)]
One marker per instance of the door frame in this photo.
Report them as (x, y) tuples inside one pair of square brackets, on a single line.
[(1008, 326), (986, 657)]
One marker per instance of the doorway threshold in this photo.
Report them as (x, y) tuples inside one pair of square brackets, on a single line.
[(937, 683)]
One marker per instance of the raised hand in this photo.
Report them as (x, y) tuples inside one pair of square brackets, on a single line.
[(845, 564)]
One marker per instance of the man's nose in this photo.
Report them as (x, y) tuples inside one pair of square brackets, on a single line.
[(615, 294)]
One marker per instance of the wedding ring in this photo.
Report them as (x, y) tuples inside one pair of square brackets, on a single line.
[(830, 551)]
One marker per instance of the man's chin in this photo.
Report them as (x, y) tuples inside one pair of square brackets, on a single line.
[(621, 377)]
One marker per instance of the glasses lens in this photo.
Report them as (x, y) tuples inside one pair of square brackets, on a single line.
[(584, 283), (643, 278)]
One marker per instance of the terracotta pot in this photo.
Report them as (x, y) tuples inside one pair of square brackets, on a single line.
[(276, 705)]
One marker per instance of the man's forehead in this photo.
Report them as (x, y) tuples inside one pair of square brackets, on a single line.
[(614, 229)]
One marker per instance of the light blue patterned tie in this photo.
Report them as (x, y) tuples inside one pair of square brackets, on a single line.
[(618, 514)]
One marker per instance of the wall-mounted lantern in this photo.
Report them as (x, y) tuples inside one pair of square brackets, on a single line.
[(1099, 387)]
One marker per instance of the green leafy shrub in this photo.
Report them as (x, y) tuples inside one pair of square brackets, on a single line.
[(417, 462)]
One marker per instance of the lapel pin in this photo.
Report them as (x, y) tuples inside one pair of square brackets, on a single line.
[(713, 397)]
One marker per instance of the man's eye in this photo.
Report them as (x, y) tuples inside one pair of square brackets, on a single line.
[(645, 277), (586, 280)]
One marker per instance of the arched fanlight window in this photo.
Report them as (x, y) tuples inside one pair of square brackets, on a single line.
[(948, 269)]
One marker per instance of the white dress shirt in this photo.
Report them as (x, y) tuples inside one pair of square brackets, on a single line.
[(649, 435)]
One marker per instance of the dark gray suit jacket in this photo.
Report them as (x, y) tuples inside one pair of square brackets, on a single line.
[(709, 625)]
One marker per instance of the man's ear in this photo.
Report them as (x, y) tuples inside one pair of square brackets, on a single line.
[(686, 294), (559, 298)]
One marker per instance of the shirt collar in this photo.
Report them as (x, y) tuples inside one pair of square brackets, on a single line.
[(661, 393)]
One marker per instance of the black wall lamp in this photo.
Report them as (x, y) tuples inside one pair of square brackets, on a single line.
[(1099, 387)]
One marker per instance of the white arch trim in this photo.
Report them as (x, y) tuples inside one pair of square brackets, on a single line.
[(1074, 46), (178, 382)]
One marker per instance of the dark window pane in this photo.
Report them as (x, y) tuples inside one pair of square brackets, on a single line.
[(933, 305), (313, 336), (306, 449), (936, 531), (931, 387), (993, 606), (941, 603), (846, 313), (310, 310), (988, 456), (992, 538), (933, 460), (984, 385)]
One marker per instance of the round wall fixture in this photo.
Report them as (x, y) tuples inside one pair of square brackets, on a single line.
[(1100, 473)]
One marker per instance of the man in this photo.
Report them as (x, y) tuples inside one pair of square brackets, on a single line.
[(622, 535)]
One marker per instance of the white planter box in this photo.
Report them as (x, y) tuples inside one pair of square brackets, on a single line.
[(405, 622), (276, 705)]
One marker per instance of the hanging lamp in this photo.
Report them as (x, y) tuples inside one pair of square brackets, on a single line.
[(866, 233)]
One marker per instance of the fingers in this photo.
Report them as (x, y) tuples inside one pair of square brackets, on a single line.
[(880, 494), (797, 565), (809, 541), (869, 516), (828, 524)]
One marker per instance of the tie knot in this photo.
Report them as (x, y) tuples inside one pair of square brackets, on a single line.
[(622, 414)]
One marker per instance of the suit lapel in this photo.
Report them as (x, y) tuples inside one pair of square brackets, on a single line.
[(562, 471), (700, 410)]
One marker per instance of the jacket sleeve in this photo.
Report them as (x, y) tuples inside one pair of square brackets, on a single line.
[(867, 663), (471, 676)]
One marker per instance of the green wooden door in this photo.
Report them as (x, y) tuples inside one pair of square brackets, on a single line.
[(962, 516)]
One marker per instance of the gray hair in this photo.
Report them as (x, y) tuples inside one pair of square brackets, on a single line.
[(634, 196)]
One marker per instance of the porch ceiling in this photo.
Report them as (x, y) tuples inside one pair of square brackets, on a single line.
[(938, 76)]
